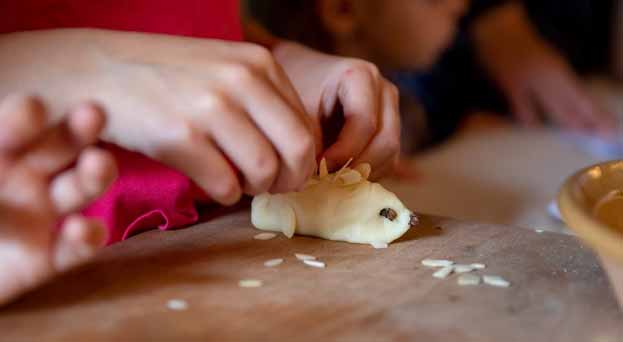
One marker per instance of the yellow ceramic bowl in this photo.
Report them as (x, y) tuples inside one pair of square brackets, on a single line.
[(591, 204)]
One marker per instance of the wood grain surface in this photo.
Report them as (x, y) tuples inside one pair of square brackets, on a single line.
[(558, 291)]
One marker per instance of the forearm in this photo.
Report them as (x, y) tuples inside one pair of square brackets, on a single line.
[(505, 38), (503, 25)]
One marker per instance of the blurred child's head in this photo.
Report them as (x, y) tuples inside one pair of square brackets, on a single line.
[(408, 34), (397, 33)]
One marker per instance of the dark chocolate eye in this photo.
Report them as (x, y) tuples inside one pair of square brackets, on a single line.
[(413, 220), (388, 213)]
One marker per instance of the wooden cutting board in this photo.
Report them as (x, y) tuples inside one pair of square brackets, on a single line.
[(558, 292)]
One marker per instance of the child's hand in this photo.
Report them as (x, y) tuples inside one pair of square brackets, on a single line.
[(33, 195), (371, 132), (206, 107), (534, 77)]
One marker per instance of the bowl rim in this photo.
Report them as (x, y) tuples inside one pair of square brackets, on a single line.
[(599, 236)]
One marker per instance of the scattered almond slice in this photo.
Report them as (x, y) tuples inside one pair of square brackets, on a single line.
[(463, 268), (273, 262), (496, 281), (265, 236), (437, 263), (443, 272), (379, 245), (314, 263), (364, 170), (350, 177), (468, 280), (304, 257), (478, 266), (177, 304), (342, 170), (250, 283), (323, 171)]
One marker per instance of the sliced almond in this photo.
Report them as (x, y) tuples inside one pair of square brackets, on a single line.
[(437, 262), (323, 171), (265, 236), (337, 175), (443, 272), (350, 177), (273, 262), (496, 281), (463, 268), (304, 257), (314, 263), (177, 304), (250, 283), (468, 280), (379, 245), (364, 170)]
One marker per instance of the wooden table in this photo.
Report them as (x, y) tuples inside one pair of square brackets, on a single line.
[(558, 292)]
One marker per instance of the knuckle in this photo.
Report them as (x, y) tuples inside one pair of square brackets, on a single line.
[(262, 57), (216, 102), (182, 134), (226, 189), (298, 157), (373, 70), (185, 132), (367, 67), (239, 73), (265, 168), (394, 92), (303, 150), (259, 58)]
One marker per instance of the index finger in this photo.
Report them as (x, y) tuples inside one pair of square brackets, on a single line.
[(359, 94)]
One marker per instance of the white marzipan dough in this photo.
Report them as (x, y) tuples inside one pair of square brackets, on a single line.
[(342, 206)]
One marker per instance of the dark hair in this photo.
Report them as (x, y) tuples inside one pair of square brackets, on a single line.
[(296, 20)]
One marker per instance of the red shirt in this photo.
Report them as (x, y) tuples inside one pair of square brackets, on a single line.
[(147, 194), (218, 19)]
